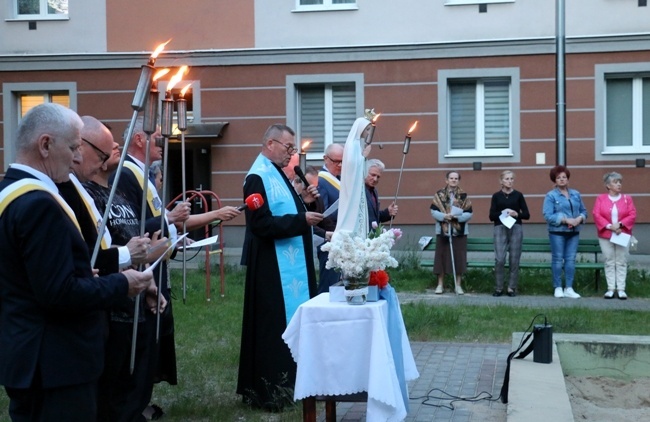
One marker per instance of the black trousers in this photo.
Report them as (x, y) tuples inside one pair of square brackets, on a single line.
[(74, 403), (122, 395)]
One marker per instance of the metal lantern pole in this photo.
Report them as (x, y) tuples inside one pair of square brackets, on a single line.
[(181, 109), (405, 150)]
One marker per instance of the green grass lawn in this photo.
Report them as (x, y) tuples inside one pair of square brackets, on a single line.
[(208, 333)]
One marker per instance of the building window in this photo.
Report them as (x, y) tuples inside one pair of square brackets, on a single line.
[(479, 115), (326, 113), (322, 108), (30, 100), (622, 104), (627, 115), (19, 98), (310, 5), (41, 8)]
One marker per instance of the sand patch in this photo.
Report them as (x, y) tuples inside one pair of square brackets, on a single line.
[(608, 399)]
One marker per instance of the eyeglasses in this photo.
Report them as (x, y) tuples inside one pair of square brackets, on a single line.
[(336, 162), (102, 155), (291, 149)]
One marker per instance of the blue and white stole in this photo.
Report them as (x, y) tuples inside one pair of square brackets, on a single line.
[(290, 252)]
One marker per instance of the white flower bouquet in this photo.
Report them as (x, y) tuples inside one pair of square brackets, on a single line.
[(355, 257)]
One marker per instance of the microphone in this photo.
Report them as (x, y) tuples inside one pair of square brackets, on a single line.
[(300, 174), (253, 202)]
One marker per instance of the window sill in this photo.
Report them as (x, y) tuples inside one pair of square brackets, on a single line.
[(479, 154), (474, 2), (38, 18), (320, 8), (627, 151)]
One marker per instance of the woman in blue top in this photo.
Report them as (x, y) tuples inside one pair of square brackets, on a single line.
[(565, 213)]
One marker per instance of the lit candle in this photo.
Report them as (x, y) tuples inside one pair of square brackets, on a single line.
[(407, 139), (370, 114), (146, 80), (156, 52), (167, 114), (303, 155), (181, 109), (150, 118)]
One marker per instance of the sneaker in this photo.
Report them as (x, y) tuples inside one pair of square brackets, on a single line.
[(570, 293), (622, 295), (459, 290), (497, 293), (512, 293), (609, 294), (558, 292), (439, 290)]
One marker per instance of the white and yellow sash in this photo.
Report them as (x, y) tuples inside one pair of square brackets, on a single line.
[(336, 183), (154, 202), (16, 189), (93, 211)]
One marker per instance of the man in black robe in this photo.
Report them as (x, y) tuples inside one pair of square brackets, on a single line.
[(279, 276)]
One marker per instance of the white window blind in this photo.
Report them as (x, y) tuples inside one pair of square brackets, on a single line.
[(479, 115), (326, 113)]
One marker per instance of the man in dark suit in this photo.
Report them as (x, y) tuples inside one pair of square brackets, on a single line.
[(131, 186), (117, 384), (329, 185), (374, 170), (96, 149), (51, 317)]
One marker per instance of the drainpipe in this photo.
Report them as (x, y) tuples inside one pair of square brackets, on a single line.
[(560, 84)]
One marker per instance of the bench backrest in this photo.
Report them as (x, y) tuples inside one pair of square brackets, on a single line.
[(529, 244)]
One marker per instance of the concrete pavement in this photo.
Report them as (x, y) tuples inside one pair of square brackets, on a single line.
[(474, 372)]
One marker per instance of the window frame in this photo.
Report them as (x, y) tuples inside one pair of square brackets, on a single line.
[(326, 6), (11, 93), (293, 84), (445, 153), (603, 73), (41, 16)]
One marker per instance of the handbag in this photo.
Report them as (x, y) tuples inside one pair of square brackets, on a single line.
[(633, 243)]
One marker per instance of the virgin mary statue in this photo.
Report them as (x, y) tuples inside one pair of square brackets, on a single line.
[(353, 208)]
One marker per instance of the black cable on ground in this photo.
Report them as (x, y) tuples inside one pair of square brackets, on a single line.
[(483, 395)]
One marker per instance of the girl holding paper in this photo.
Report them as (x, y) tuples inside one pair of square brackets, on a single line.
[(614, 215), (507, 209)]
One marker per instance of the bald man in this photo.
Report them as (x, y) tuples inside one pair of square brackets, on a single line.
[(329, 184), (96, 147)]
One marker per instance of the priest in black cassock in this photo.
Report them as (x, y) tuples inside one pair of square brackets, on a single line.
[(280, 272)]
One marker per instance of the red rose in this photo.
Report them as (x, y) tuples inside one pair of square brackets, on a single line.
[(378, 278)]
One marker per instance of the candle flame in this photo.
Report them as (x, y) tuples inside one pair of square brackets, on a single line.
[(177, 77), (374, 119), (413, 127), (184, 90), (305, 144), (160, 74), (159, 49)]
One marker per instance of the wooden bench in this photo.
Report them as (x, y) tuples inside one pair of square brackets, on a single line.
[(539, 245)]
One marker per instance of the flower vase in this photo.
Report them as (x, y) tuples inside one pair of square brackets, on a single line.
[(356, 290)]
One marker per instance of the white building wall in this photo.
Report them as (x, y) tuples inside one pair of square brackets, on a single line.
[(382, 22), (83, 32)]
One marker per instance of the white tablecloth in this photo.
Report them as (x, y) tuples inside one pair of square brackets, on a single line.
[(345, 349)]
